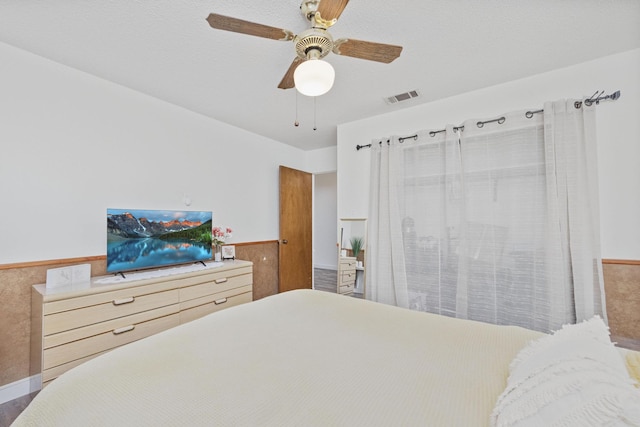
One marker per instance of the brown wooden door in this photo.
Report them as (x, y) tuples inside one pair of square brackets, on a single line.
[(296, 246)]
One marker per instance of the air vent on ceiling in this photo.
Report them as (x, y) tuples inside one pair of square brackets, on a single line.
[(402, 97)]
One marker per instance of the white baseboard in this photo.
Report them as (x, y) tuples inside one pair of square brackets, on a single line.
[(19, 388), (326, 267)]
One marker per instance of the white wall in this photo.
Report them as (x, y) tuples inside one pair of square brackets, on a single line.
[(322, 160), (325, 215), (74, 145), (618, 126)]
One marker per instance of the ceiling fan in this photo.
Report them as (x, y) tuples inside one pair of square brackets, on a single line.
[(308, 73)]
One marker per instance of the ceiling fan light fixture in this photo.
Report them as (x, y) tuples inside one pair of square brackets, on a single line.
[(314, 77)]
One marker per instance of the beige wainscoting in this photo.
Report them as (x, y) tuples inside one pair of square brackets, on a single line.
[(15, 298), (622, 290), (264, 256)]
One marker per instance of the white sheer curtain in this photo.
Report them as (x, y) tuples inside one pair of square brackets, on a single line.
[(497, 223)]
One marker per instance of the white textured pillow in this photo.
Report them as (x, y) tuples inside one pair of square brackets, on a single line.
[(575, 377)]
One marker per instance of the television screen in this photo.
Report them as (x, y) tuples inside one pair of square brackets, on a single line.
[(139, 239)]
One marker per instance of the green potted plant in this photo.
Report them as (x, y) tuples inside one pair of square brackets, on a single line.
[(356, 245)]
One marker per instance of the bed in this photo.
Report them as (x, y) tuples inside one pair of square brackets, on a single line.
[(307, 358)]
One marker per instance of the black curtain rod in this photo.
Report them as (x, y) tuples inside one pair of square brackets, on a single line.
[(595, 98)]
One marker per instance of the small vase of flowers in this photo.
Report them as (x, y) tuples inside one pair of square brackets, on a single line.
[(219, 235)]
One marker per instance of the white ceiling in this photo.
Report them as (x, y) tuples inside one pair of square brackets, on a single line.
[(166, 49)]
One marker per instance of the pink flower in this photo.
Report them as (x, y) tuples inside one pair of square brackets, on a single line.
[(220, 235)]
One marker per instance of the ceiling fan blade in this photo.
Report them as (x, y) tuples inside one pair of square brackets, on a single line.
[(366, 50), (287, 81), (236, 25), (331, 9)]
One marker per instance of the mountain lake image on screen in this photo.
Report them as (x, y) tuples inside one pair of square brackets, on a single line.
[(141, 239)]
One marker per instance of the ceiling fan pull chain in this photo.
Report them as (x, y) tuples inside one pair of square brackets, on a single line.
[(314, 112), (296, 123)]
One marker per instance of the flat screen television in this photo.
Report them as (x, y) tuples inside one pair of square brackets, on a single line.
[(141, 239)]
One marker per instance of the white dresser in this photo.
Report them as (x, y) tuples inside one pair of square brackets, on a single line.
[(346, 275), (71, 326)]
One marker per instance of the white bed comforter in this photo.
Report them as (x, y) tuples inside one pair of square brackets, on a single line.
[(301, 358)]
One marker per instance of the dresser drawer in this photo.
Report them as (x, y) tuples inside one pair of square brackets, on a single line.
[(348, 277), (346, 289), (347, 263), (218, 297), (200, 307), (97, 298), (219, 284), (213, 275), (111, 308), (54, 340), (75, 350)]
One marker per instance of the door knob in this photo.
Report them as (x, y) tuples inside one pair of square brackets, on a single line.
[(285, 241)]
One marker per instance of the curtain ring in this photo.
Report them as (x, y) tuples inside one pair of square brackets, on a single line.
[(577, 104), (528, 114), (480, 124), (501, 120)]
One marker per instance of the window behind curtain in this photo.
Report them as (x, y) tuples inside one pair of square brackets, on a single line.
[(474, 211)]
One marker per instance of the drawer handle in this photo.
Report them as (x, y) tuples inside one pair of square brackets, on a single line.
[(220, 301), (123, 329), (123, 301), (224, 279)]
